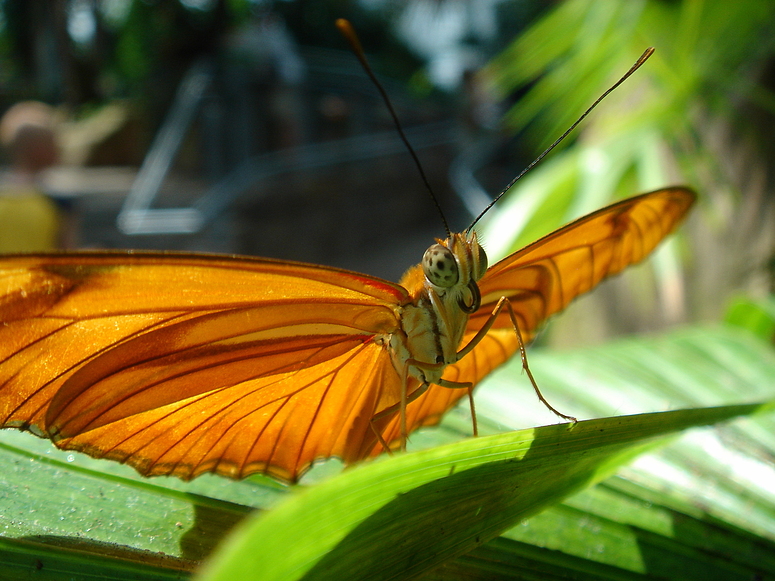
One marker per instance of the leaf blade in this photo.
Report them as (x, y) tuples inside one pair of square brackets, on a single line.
[(382, 520)]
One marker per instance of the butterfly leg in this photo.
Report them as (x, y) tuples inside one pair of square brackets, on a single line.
[(382, 441), (475, 430), (503, 302), (406, 399), (470, 387)]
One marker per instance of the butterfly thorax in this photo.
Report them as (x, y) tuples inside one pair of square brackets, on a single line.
[(444, 293)]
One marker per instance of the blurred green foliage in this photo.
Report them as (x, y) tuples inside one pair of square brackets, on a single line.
[(699, 112)]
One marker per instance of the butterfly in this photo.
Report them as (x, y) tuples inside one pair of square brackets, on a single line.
[(182, 364)]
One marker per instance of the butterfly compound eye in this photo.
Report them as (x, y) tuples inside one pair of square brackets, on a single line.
[(481, 263), (439, 266)]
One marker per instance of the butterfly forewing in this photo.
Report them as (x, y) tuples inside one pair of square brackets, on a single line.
[(544, 277)]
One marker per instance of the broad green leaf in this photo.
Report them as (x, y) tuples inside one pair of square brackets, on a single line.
[(409, 514)]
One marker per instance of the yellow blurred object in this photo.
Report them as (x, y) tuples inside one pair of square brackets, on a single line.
[(29, 222)]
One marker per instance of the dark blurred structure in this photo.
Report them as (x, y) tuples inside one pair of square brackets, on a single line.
[(255, 127)]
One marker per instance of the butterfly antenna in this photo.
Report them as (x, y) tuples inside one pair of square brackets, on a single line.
[(348, 32), (643, 58)]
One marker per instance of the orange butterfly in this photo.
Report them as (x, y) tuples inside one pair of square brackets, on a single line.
[(181, 364)]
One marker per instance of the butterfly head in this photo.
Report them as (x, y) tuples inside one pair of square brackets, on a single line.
[(453, 266)]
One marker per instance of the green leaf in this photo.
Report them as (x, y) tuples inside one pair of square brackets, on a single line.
[(406, 515), (56, 559)]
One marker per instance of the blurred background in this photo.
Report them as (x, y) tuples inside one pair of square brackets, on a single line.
[(247, 126)]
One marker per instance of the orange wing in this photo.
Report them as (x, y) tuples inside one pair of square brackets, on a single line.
[(544, 277), (180, 364)]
